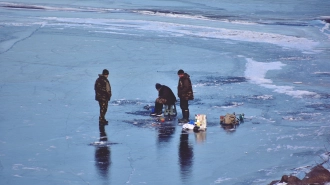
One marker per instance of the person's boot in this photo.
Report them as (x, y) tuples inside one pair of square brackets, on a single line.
[(180, 119), (185, 115)]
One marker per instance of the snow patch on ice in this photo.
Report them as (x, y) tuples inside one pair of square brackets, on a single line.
[(326, 28), (22, 167), (256, 73), (262, 97), (220, 180), (290, 147), (51, 8), (188, 16), (178, 30)]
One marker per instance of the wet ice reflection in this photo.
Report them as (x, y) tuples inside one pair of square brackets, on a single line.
[(186, 156), (165, 133), (102, 155)]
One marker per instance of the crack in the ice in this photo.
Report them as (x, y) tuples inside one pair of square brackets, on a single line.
[(129, 158), (22, 39)]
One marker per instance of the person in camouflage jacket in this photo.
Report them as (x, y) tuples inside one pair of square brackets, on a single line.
[(185, 93), (103, 94)]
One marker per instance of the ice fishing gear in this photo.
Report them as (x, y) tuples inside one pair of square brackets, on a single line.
[(231, 119), (199, 124)]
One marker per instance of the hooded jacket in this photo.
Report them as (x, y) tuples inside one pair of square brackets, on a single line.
[(185, 88), (166, 93), (102, 89)]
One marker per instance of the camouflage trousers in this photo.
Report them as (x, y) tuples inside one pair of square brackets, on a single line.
[(161, 100), (103, 109), (159, 104)]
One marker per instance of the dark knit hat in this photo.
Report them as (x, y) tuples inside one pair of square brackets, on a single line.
[(158, 86), (180, 72), (105, 72)]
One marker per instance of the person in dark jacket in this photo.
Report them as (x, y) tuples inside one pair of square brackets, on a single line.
[(165, 97), (185, 93), (103, 94)]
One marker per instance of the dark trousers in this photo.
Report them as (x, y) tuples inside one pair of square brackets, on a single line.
[(159, 104), (184, 109), (184, 104), (103, 109)]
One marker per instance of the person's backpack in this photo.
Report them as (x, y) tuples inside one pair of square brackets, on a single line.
[(230, 119)]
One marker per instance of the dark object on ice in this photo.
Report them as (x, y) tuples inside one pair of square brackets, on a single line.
[(196, 129), (165, 97), (103, 94), (231, 119), (185, 93), (318, 176), (147, 107), (290, 179), (230, 122), (326, 19)]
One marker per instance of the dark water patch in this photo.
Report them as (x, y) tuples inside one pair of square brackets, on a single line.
[(221, 80), (322, 74), (319, 106), (256, 99), (307, 153), (260, 97), (294, 58), (129, 102), (188, 14), (236, 101), (31, 7), (219, 17), (152, 122), (142, 122), (140, 113), (148, 107), (103, 143), (301, 116), (227, 104), (326, 19), (285, 23), (158, 11), (231, 104)]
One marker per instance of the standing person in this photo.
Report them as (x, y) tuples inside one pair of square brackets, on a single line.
[(165, 96), (185, 93), (103, 94)]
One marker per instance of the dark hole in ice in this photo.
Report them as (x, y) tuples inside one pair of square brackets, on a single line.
[(221, 80)]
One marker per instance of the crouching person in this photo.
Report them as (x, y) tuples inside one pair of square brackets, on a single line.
[(165, 97)]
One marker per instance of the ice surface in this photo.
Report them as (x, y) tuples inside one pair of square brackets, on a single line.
[(269, 62)]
